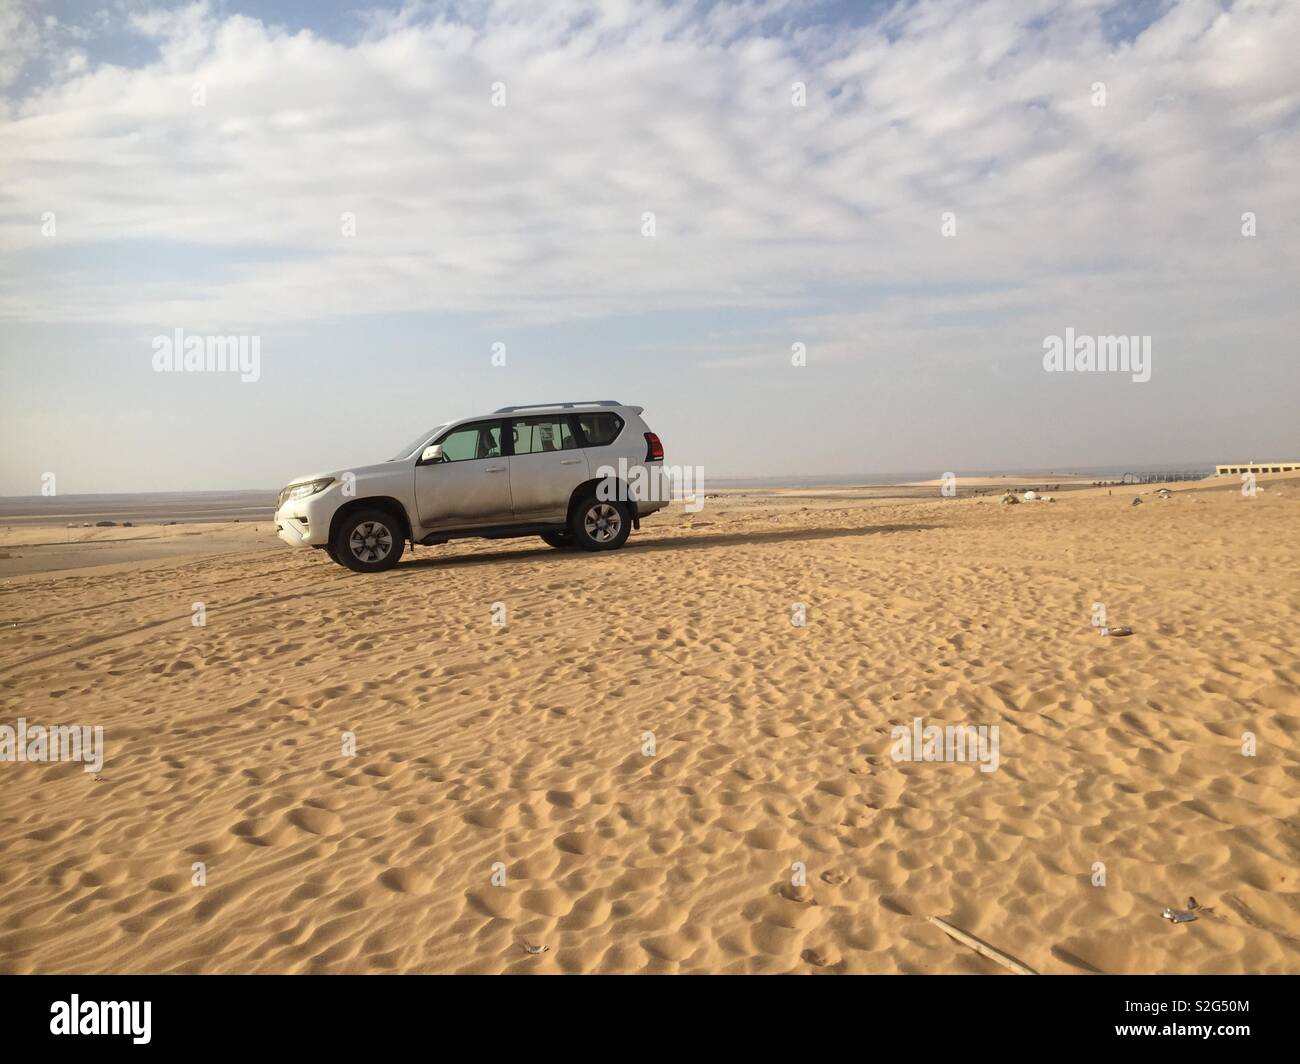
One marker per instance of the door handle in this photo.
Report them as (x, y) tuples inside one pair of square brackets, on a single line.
[(495, 469), (570, 461)]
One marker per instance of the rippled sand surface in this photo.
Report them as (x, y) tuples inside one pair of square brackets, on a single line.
[(650, 767)]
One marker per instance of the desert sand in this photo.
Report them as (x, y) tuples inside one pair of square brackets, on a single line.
[(523, 746)]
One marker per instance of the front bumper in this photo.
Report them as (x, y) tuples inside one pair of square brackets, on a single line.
[(306, 522), (291, 530)]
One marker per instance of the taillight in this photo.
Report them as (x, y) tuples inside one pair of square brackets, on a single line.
[(654, 450)]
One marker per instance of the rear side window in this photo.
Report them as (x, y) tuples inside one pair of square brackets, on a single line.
[(532, 435), (600, 429)]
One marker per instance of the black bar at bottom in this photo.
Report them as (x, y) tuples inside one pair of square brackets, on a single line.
[(594, 1015)]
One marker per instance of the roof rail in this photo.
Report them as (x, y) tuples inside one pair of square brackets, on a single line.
[(563, 406)]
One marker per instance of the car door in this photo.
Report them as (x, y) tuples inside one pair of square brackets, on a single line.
[(470, 485), (545, 466)]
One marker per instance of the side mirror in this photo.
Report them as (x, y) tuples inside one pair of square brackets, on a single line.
[(431, 454)]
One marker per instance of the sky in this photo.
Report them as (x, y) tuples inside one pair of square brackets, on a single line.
[(659, 203)]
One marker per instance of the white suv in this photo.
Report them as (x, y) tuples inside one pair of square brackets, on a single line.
[(558, 470)]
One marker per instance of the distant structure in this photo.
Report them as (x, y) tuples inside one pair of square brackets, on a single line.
[(1257, 467), (1158, 478)]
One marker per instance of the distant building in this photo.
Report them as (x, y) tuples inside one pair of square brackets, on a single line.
[(1257, 467)]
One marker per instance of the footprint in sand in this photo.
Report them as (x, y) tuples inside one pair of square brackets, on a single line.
[(822, 956), (315, 821), (802, 893), (405, 881)]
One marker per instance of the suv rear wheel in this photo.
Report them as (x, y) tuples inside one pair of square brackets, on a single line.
[(599, 524), (368, 541)]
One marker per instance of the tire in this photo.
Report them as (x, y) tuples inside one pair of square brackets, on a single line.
[(597, 524), (333, 554), (361, 539), (559, 540)]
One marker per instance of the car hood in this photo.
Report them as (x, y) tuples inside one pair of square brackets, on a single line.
[(383, 469)]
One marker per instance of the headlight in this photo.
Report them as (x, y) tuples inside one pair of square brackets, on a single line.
[(294, 492)]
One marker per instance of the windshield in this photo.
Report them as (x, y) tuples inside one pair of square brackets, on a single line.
[(417, 444)]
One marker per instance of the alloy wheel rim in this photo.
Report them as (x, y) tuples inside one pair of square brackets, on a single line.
[(370, 542), (603, 522)]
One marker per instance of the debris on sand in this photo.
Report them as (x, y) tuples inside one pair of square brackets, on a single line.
[(1118, 630), (982, 948), (1184, 916)]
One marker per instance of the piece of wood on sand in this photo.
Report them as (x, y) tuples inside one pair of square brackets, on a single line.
[(982, 948)]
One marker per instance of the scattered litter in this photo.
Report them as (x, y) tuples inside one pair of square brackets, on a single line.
[(535, 949), (1031, 496), (1137, 502), (1119, 630), (1184, 916), (1008, 499)]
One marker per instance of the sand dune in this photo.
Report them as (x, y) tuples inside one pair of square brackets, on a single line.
[(524, 744)]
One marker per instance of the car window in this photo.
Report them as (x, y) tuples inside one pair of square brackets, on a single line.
[(472, 441), (600, 429), (533, 435)]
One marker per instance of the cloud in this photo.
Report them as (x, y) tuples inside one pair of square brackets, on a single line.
[(534, 211)]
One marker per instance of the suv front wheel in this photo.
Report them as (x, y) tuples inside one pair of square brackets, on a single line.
[(368, 541), (598, 524)]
